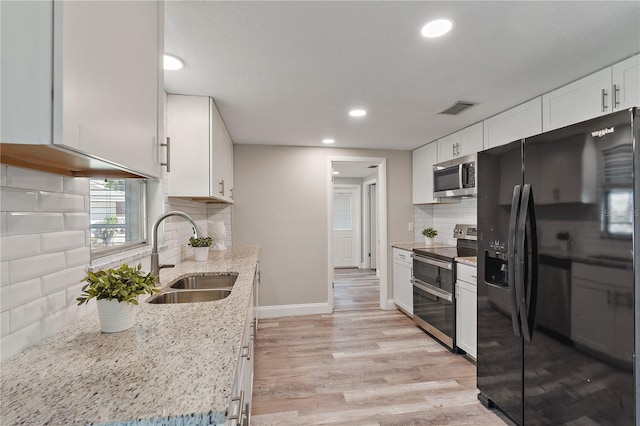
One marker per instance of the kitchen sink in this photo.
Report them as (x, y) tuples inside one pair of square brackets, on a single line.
[(189, 296), (199, 282)]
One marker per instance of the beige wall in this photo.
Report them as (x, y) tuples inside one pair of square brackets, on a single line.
[(281, 197)]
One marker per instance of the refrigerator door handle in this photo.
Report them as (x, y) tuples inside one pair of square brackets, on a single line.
[(527, 268), (511, 270)]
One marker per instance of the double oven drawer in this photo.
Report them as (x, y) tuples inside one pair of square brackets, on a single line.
[(433, 298)]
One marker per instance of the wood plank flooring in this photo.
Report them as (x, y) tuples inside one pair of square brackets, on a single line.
[(355, 289), (362, 367)]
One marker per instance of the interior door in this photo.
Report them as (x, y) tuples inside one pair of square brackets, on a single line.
[(346, 235)]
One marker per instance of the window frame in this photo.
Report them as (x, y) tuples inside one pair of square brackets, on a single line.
[(143, 206)]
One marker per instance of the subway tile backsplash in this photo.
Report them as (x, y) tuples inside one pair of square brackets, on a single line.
[(443, 218), (45, 251)]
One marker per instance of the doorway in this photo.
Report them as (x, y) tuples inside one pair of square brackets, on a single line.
[(346, 225), (368, 236)]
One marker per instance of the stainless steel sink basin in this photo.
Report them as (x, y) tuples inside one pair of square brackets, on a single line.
[(189, 296), (198, 282)]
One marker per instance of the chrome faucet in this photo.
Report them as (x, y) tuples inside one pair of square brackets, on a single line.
[(155, 265)]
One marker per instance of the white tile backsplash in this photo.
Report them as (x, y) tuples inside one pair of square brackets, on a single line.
[(14, 295), (79, 256), (18, 177), (44, 251), (20, 340), (34, 311), (443, 218), (12, 200), (5, 326), (77, 220), (63, 279), (17, 246), (65, 240), (76, 185), (4, 273), (57, 202), (36, 266), (19, 223)]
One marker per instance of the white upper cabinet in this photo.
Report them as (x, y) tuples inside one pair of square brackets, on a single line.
[(423, 160), (105, 80), (626, 84), (201, 165), (520, 122), (463, 142), (611, 89)]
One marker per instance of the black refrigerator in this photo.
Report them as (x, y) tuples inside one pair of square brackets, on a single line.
[(557, 215)]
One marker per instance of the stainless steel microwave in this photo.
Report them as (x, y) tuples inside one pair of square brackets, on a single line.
[(455, 178)]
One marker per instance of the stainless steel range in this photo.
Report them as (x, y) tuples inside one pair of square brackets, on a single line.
[(434, 304)]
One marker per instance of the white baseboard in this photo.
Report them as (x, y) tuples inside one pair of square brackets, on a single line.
[(293, 310), (390, 305)]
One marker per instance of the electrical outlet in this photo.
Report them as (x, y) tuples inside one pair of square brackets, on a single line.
[(410, 226)]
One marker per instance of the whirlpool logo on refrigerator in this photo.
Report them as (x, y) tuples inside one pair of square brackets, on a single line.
[(600, 133)]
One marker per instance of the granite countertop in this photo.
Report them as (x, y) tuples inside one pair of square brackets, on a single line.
[(468, 260), (175, 366)]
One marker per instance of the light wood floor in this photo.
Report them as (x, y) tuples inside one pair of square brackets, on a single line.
[(362, 367), (355, 289)]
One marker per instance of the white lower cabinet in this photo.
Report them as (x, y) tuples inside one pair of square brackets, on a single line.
[(466, 309), (402, 287), (239, 411)]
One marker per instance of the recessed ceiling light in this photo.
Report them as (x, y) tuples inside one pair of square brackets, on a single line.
[(335, 172), (357, 113), (328, 141), (172, 63), (437, 28)]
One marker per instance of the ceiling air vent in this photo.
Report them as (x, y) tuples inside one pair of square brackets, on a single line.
[(457, 108), (375, 166)]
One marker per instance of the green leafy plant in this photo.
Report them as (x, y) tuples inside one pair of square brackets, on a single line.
[(429, 232), (124, 284), (200, 241)]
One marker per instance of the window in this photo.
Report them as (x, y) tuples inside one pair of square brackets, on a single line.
[(118, 214), (341, 212), (618, 191)]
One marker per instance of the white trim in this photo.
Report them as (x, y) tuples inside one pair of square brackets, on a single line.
[(383, 260), (293, 310), (391, 305), (366, 264)]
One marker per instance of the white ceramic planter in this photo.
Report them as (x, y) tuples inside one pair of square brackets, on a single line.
[(428, 242), (116, 316), (202, 253)]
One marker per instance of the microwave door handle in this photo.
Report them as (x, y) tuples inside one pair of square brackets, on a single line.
[(460, 179), (511, 270)]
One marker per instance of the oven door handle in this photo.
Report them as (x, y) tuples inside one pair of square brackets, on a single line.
[(433, 290), (429, 261)]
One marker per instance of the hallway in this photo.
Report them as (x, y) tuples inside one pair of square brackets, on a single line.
[(355, 289)]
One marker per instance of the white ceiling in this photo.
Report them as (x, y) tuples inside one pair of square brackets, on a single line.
[(286, 73)]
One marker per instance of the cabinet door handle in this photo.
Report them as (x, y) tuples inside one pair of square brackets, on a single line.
[(604, 100), (235, 415), (168, 163), (231, 193), (616, 96), (222, 187)]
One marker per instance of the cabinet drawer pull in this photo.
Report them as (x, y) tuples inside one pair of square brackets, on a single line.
[(239, 400), (616, 96), (168, 163), (246, 354)]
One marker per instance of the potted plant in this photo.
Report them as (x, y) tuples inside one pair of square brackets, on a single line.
[(429, 235), (116, 292), (201, 247)]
